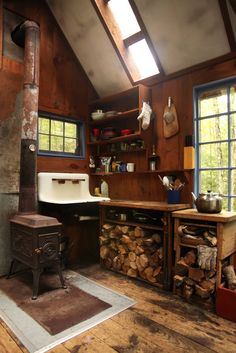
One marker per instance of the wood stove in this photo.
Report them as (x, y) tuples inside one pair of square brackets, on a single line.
[(35, 241), (34, 238)]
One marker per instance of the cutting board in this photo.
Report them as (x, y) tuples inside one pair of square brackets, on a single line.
[(170, 119)]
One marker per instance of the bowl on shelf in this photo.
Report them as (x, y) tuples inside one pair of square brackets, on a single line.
[(108, 132), (125, 132), (97, 115)]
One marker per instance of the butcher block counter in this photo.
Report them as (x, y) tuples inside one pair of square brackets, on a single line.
[(136, 239)]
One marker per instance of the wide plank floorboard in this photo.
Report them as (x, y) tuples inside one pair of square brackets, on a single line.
[(158, 322)]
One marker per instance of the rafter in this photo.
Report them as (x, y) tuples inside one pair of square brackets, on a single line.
[(227, 23)]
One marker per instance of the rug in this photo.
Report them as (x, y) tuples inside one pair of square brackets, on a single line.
[(56, 309), (38, 330)]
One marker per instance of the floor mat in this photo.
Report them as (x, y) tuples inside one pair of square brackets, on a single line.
[(56, 309), (58, 314)]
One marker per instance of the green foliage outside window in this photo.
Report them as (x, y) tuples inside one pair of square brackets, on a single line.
[(57, 136), (217, 143)]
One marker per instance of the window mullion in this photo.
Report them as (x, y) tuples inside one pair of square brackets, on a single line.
[(136, 37)]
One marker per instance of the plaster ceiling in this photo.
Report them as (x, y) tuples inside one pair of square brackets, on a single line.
[(184, 33)]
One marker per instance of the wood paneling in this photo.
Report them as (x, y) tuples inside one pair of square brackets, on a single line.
[(64, 88)]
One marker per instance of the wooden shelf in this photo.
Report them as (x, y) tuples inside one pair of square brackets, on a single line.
[(135, 224), (116, 117), (139, 172), (117, 139), (121, 152)]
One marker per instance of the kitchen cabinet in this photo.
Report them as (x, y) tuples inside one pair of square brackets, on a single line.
[(136, 239), (118, 133), (221, 227)]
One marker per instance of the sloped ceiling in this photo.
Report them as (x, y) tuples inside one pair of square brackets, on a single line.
[(184, 33)]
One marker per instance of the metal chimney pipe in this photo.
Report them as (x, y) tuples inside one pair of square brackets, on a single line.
[(27, 35)]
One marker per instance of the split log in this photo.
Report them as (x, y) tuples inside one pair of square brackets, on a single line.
[(131, 234), (208, 285), (107, 227), (143, 260), (190, 258), (133, 265), (103, 240), (154, 259), (139, 250), (181, 268), (132, 273), (139, 266), (108, 262), (157, 238), (138, 232), (201, 292), (122, 249), (125, 229), (125, 239), (132, 256), (157, 271), (142, 274), (116, 263), (196, 274), (187, 291), (104, 252), (178, 280), (148, 242), (139, 241), (118, 230), (131, 245)]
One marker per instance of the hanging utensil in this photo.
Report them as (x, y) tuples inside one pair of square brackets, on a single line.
[(170, 120)]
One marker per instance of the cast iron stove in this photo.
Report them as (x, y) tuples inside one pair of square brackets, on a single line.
[(35, 242)]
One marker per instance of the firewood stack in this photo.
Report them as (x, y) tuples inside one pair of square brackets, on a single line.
[(193, 277), (134, 251)]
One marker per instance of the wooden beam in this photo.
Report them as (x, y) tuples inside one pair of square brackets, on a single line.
[(227, 23)]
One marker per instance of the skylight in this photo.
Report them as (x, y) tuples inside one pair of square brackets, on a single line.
[(124, 17), (143, 59), (127, 32)]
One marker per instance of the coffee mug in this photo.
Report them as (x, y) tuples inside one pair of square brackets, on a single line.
[(130, 167)]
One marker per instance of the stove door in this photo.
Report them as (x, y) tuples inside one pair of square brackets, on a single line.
[(48, 247)]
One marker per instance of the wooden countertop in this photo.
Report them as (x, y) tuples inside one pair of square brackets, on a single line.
[(223, 216), (153, 205)]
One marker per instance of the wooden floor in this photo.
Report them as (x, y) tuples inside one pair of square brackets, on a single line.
[(159, 322)]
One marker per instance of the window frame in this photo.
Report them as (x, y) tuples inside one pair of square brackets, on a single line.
[(121, 45), (197, 91), (79, 136)]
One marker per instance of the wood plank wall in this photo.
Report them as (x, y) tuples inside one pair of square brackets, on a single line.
[(147, 186), (64, 87), (65, 90)]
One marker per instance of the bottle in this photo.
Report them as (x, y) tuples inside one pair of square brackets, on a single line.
[(104, 189), (153, 159)]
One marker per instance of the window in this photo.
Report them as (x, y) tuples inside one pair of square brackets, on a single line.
[(215, 133), (60, 136), (129, 37)]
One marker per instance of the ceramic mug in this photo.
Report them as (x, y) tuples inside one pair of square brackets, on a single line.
[(130, 167)]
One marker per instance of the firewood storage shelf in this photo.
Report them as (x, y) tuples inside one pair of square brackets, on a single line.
[(138, 247), (224, 225)]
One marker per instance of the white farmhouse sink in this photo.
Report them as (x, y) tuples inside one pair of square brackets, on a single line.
[(65, 188)]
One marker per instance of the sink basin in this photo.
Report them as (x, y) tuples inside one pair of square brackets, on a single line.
[(65, 188)]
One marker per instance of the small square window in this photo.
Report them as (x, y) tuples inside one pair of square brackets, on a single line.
[(60, 136)]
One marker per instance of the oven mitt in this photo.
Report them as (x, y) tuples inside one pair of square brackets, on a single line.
[(206, 257), (145, 115)]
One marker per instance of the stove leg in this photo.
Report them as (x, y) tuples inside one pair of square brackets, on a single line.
[(11, 269), (36, 275), (61, 277)]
